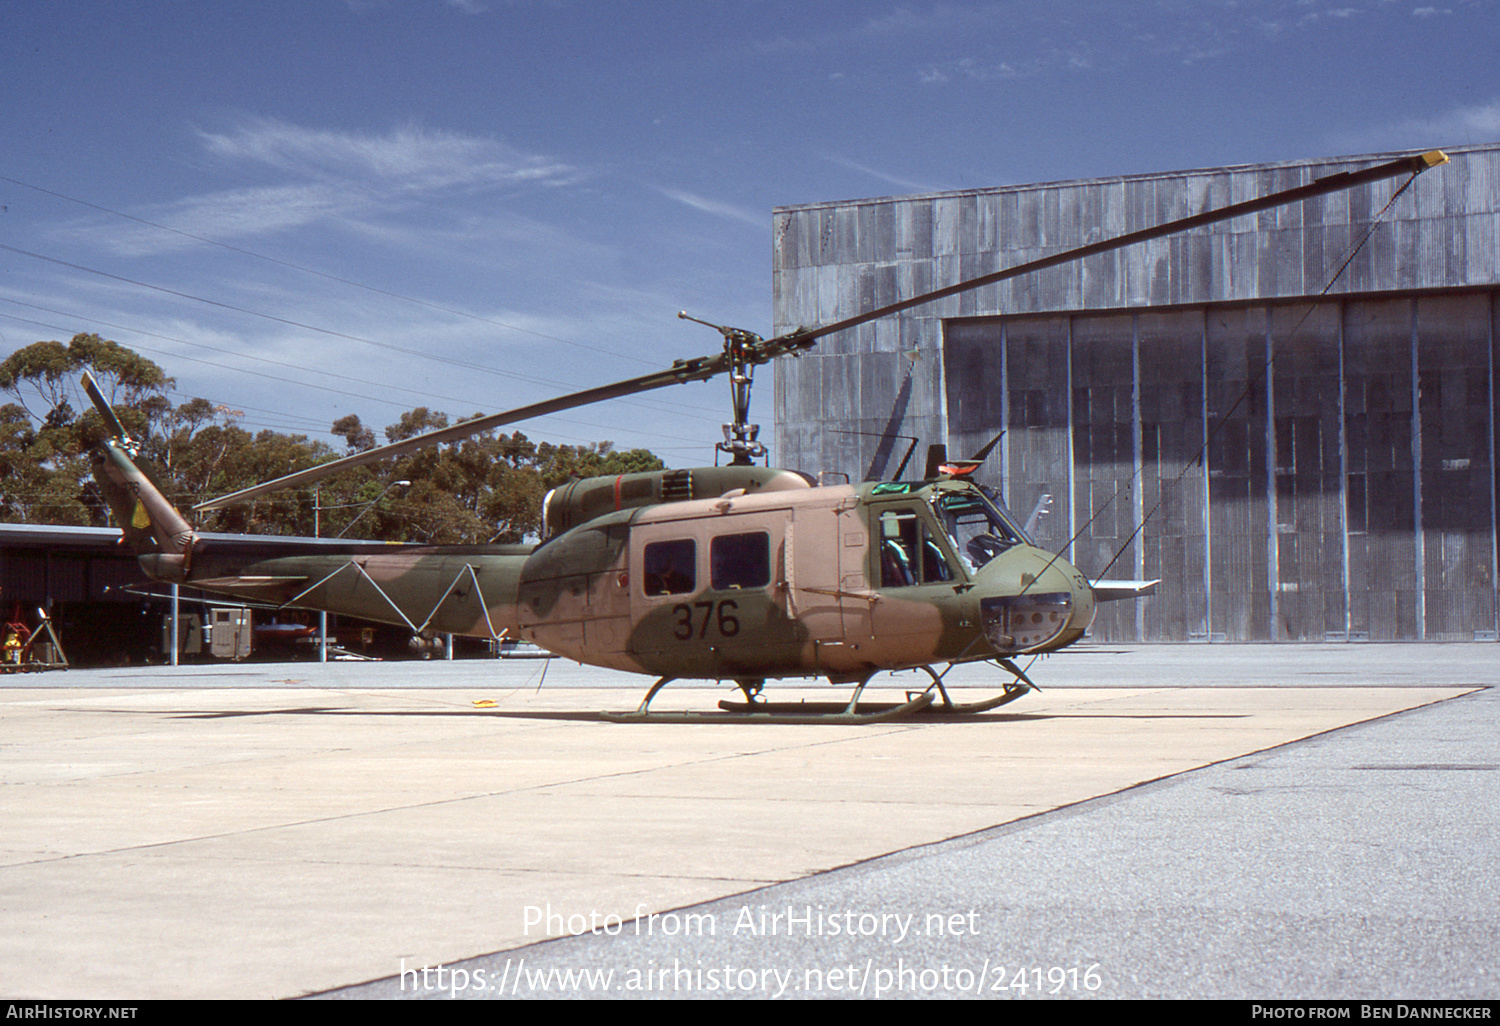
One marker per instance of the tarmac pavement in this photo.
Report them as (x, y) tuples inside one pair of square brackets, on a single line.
[(1186, 821)]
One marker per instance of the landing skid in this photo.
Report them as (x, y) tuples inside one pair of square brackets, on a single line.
[(1014, 690), (852, 712), (784, 712)]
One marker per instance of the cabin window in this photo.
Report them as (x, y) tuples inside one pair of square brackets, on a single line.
[(740, 561), (909, 554), (671, 567)]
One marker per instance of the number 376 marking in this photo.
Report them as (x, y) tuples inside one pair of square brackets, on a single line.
[(720, 614)]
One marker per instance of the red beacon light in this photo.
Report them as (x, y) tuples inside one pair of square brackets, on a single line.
[(960, 468)]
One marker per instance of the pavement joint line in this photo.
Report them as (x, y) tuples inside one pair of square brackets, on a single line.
[(1086, 805), (960, 842), (442, 866), (437, 803)]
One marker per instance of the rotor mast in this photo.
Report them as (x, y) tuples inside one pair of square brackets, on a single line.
[(740, 443)]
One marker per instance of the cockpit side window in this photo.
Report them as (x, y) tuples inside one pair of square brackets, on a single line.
[(978, 531)]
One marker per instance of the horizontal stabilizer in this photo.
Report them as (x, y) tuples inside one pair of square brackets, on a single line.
[(1108, 591)]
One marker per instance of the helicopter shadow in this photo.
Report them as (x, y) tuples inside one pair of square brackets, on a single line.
[(679, 717)]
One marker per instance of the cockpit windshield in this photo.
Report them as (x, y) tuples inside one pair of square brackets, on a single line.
[(979, 530)]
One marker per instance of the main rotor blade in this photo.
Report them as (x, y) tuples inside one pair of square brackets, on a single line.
[(984, 453), (750, 349), (1331, 183), (117, 430), (699, 369)]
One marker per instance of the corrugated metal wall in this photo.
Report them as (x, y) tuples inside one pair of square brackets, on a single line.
[(1303, 471), (34, 577), (1312, 469)]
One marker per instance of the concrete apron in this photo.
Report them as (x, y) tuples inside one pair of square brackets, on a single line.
[(257, 842)]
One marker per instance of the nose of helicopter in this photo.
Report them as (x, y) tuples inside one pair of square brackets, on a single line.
[(1032, 601)]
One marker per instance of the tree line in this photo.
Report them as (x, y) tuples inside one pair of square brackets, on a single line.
[(486, 488)]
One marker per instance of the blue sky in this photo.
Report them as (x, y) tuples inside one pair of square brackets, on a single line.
[(309, 208)]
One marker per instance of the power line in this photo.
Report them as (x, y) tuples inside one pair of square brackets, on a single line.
[(298, 324), (323, 274), (273, 377), (356, 284)]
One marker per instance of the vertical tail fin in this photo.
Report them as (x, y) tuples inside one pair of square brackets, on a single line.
[(154, 530)]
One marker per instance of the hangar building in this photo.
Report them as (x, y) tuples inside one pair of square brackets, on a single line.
[(1311, 450)]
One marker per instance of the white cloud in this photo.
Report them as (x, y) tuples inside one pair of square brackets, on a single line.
[(410, 157), (232, 214), (1480, 123), (1459, 126), (331, 177), (716, 207), (977, 71), (904, 184)]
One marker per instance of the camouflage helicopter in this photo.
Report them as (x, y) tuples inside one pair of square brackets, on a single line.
[(738, 572)]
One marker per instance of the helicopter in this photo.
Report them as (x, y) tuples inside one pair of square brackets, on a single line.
[(739, 572)]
